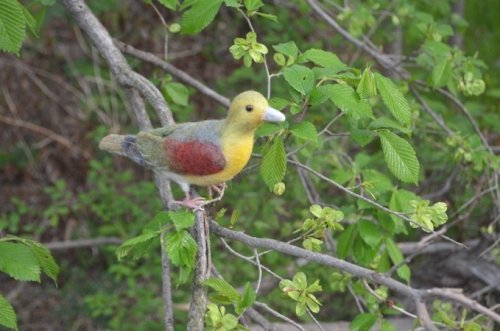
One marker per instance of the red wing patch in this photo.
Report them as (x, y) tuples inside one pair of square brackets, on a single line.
[(193, 157)]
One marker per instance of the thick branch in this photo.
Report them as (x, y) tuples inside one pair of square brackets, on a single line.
[(117, 63), (199, 298), (131, 82), (353, 269)]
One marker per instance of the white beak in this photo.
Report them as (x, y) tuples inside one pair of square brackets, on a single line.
[(273, 115)]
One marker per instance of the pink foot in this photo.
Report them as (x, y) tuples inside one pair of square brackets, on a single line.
[(190, 203)]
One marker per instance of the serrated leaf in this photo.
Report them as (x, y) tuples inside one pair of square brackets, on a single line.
[(324, 59), (267, 129), (252, 5), (363, 322), (199, 16), (182, 219), (400, 157), (346, 241), (7, 314), (247, 299), (385, 122), (344, 97), (397, 257), (45, 260), (370, 233), (223, 288), (441, 74), (132, 243), (394, 99), (12, 26), (273, 164), (289, 48), (300, 78), (305, 130), (181, 248), (170, 4), (177, 92), (367, 87), (18, 261)]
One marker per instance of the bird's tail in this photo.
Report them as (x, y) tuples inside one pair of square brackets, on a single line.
[(122, 145)]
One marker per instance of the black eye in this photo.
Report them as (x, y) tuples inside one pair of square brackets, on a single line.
[(249, 108)]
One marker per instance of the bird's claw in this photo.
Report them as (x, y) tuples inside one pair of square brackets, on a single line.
[(191, 203)]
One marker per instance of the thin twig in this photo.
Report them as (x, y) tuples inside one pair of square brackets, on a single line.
[(351, 268), (278, 315)]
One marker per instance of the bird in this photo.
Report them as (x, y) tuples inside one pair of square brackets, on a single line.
[(205, 153)]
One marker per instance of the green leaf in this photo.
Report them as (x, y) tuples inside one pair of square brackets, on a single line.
[(394, 99), (344, 97), (305, 130), (247, 299), (370, 233), (290, 49), (363, 322), (441, 74), (324, 59), (273, 164), (400, 157), (182, 219), (170, 4), (19, 262), (267, 129), (270, 17), (181, 248), (367, 86), (199, 16), (177, 92), (12, 26), (385, 122), (252, 5), (136, 244), (45, 260), (7, 314), (223, 288), (300, 78), (397, 257), (158, 222), (346, 241)]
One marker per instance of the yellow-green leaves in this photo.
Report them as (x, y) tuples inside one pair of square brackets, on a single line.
[(7, 314), (273, 164), (14, 19), (299, 77), (199, 15), (394, 99), (249, 49), (427, 217), (314, 229), (298, 290), (400, 157), (216, 319), (225, 293)]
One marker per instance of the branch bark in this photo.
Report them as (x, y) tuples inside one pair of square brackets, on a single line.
[(134, 85), (415, 294)]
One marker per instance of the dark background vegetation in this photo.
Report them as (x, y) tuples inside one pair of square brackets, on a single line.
[(57, 101)]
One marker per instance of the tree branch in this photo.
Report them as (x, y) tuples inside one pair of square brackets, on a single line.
[(131, 82), (353, 269), (179, 74)]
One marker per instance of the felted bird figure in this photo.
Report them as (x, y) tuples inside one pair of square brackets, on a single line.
[(206, 153)]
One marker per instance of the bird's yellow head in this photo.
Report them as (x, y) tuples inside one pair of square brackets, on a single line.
[(249, 109)]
